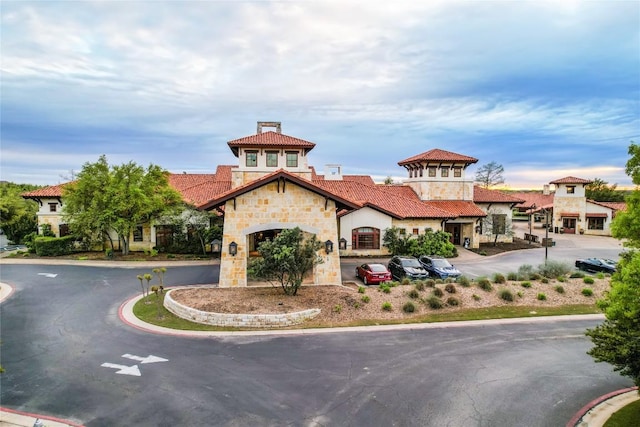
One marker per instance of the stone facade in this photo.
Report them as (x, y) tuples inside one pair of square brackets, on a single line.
[(276, 206)]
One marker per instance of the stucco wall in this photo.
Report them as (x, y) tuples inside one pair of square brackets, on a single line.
[(497, 209), (365, 217), (272, 208)]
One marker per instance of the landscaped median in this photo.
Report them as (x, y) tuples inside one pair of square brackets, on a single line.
[(238, 320)]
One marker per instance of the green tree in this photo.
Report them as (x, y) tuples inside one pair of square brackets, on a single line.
[(286, 259), (118, 198), (17, 215), (429, 243), (600, 191), (617, 339), (490, 175), (397, 242)]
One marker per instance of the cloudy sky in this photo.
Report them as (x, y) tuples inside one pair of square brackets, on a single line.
[(547, 89)]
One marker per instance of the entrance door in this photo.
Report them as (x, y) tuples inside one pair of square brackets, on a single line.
[(569, 225), (454, 230)]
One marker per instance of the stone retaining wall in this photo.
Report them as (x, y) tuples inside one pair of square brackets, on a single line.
[(238, 320)]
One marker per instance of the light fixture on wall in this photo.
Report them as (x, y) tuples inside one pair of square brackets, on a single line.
[(233, 248), (216, 245), (328, 246), (342, 244), (477, 229)]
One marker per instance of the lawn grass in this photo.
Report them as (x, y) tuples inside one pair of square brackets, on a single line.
[(148, 312), (625, 417)]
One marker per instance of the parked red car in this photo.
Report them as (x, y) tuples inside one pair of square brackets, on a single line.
[(373, 273)]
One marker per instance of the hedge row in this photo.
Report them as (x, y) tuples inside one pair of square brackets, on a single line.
[(53, 246)]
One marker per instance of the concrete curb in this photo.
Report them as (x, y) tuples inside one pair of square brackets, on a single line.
[(10, 417), (598, 411)]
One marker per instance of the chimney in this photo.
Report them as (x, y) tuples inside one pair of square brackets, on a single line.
[(333, 172), (545, 189), (276, 125)]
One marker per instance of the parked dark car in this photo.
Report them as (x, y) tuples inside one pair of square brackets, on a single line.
[(407, 266), (595, 265), (439, 267), (373, 273)]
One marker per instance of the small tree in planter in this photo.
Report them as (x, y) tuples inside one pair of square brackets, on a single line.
[(148, 278), (141, 278), (286, 259)]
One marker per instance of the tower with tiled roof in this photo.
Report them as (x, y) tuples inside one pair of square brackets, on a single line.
[(570, 204), (266, 152), (439, 175)]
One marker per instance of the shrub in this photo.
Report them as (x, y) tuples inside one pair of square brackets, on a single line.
[(544, 280), (588, 280), (554, 268), (526, 284), (409, 307), (535, 276), (434, 302), (439, 281), (413, 294), (53, 246), (499, 278), (476, 297), (520, 294), (361, 289), (506, 295), (525, 271), (453, 301), (541, 297), (430, 283), (405, 281), (559, 289), (170, 256), (512, 276), (450, 288), (384, 288), (587, 292), (561, 279), (438, 292), (600, 275), (365, 298), (464, 281), (337, 308), (393, 284), (576, 275), (485, 284), (386, 306), (419, 285), (483, 253)]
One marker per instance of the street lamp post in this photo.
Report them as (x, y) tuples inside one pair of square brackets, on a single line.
[(546, 235), (533, 208)]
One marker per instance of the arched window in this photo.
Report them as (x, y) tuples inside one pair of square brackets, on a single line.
[(365, 238)]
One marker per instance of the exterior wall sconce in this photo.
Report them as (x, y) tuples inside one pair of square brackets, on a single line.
[(328, 246), (477, 229), (233, 248), (342, 244), (216, 246)]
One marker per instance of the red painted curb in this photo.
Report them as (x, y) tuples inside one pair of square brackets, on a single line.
[(578, 416), (42, 417)]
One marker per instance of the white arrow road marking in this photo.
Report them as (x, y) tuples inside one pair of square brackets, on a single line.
[(124, 370), (51, 275), (149, 359)]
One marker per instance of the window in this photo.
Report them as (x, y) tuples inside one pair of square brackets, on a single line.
[(272, 159), (365, 238), (403, 231), (53, 207), (457, 172), (499, 223), (64, 230), (421, 169), (416, 231), (292, 160), (137, 234), (595, 223), (444, 172), (432, 171), (571, 189), (252, 158)]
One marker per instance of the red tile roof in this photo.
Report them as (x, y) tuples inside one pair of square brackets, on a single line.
[(221, 198), (384, 200), (51, 191), (571, 180), (615, 206), (532, 198), (459, 208), (269, 139), (399, 189), (484, 195), (437, 155)]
